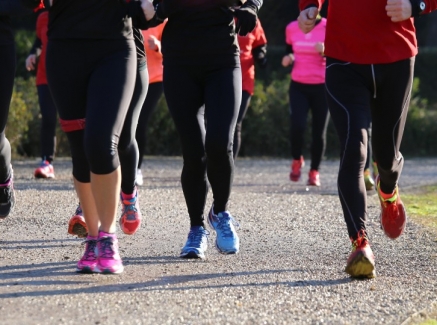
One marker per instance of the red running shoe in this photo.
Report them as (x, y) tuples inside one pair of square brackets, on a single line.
[(45, 170), (130, 220), (313, 178), (393, 215), (296, 167), (77, 225), (361, 262)]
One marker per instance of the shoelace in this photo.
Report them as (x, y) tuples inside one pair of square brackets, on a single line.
[(130, 209), (106, 249), (360, 241), (195, 236), (224, 224), (90, 250), (78, 211)]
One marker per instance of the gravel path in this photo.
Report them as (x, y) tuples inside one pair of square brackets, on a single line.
[(289, 271)]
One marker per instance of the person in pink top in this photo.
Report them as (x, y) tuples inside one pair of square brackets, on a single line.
[(307, 91), (152, 44), (370, 48)]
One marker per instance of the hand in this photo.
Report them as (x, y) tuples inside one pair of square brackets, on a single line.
[(320, 47), (30, 62), (287, 60), (398, 10), (153, 43), (307, 19), (246, 20), (148, 9)]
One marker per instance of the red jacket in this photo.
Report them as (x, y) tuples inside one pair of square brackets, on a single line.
[(247, 44), (361, 32)]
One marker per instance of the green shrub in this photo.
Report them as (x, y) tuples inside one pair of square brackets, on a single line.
[(21, 113), (421, 126), (23, 42), (265, 129), (162, 137)]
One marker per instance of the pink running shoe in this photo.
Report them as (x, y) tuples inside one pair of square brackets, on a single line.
[(108, 260), (88, 262), (45, 170), (130, 220)]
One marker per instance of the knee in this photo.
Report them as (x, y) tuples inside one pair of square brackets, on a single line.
[(80, 163), (102, 153), (216, 149), (354, 153)]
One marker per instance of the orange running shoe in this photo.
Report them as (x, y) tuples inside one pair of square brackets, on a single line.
[(393, 215), (296, 167), (313, 178), (45, 170), (77, 225), (361, 262)]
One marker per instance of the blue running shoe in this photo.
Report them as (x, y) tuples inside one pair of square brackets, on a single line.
[(196, 244), (223, 223)]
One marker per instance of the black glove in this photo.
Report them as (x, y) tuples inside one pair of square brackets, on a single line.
[(246, 19)]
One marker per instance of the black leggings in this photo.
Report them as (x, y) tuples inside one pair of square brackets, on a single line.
[(245, 102), (354, 90), (92, 79), (128, 147), (7, 74), (48, 122), (205, 151), (153, 95), (304, 97)]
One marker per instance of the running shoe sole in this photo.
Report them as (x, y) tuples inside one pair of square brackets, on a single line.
[(109, 271), (361, 267), (77, 227), (79, 230), (192, 255), (86, 270), (44, 176)]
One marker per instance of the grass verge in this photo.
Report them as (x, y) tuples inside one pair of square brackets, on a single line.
[(421, 207)]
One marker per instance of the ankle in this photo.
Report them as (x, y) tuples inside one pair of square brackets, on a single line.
[(127, 196)]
